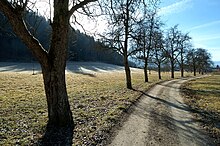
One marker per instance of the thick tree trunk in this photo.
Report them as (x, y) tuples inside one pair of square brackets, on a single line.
[(59, 112), (127, 73), (54, 72), (145, 71), (159, 71)]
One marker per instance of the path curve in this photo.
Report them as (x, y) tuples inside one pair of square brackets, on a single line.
[(161, 118)]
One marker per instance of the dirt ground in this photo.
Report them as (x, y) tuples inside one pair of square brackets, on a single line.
[(161, 118)]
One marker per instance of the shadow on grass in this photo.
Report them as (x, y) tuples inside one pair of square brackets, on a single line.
[(209, 119), (56, 136)]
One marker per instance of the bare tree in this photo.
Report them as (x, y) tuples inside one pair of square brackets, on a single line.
[(198, 60), (123, 16), (184, 43), (53, 61), (149, 29), (158, 56), (172, 47), (144, 40), (203, 59), (191, 60)]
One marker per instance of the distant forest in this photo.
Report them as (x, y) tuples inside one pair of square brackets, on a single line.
[(81, 47)]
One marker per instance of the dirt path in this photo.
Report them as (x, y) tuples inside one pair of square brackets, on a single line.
[(161, 118)]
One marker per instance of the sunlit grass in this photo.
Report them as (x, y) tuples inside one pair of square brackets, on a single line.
[(97, 101), (203, 95)]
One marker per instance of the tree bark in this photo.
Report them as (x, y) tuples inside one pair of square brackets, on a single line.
[(145, 70), (172, 69), (159, 71), (182, 71), (125, 51), (194, 70), (59, 112), (127, 73), (182, 68)]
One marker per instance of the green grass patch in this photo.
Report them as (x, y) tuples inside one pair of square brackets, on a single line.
[(97, 102), (203, 96)]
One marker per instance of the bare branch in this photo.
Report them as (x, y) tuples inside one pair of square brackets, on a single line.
[(79, 5), (15, 18)]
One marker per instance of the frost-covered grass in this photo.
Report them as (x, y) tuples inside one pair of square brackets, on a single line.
[(97, 101)]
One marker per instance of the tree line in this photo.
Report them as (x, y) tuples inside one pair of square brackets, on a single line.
[(134, 30)]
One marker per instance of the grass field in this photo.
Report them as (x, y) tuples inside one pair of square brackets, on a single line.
[(97, 101), (203, 96)]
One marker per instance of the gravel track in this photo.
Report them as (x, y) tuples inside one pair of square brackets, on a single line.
[(161, 118)]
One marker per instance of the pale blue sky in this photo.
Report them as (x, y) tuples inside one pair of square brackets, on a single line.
[(201, 18)]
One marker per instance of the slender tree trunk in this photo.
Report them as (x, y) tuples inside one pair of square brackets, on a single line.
[(159, 71), (194, 70), (127, 68), (127, 73), (145, 71), (182, 68), (182, 72), (172, 69)]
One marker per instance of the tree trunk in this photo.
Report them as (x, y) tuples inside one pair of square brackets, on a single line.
[(127, 68), (172, 69), (182, 69), (145, 71), (182, 72), (59, 112), (159, 71), (127, 73), (194, 70)]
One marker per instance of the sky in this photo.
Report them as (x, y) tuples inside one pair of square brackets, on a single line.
[(201, 18)]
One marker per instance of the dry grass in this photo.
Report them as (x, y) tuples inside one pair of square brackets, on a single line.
[(203, 96), (97, 101)]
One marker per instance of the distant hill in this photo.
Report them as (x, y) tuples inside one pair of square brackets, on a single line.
[(81, 47)]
